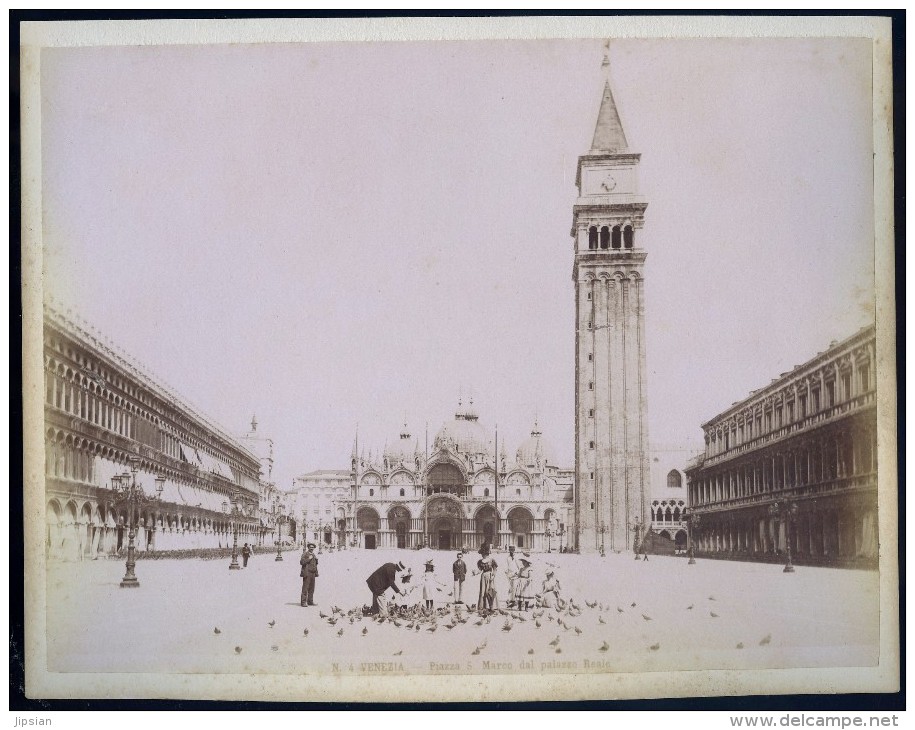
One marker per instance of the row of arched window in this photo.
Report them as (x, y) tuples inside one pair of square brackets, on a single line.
[(660, 514), (606, 237)]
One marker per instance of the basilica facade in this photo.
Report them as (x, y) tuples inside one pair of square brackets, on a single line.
[(465, 491)]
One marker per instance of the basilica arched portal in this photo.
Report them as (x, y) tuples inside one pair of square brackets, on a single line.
[(446, 522)]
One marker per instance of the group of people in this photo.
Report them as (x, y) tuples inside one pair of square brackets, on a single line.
[(517, 571)]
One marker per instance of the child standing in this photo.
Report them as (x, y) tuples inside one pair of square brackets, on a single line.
[(429, 583)]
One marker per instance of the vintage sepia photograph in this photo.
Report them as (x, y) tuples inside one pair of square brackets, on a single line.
[(474, 365)]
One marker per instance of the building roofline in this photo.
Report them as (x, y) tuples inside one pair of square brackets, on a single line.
[(119, 358), (863, 333)]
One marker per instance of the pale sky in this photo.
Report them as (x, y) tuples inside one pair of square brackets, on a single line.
[(341, 233)]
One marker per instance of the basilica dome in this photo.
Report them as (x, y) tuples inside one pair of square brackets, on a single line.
[(465, 434), (534, 449), (401, 449)]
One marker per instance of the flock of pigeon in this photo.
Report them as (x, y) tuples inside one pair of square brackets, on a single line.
[(561, 620)]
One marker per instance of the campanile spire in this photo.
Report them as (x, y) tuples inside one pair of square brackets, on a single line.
[(608, 132)]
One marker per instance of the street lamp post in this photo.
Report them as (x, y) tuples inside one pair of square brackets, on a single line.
[(692, 523), (234, 512), (562, 531), (786, 511), (602, 530), (636, 526), (279, 532), (131, 492), (549, 539)]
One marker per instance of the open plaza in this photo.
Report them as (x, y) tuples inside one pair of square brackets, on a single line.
[(196, 616)]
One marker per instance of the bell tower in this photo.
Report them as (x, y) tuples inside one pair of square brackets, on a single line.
[(612, 486)]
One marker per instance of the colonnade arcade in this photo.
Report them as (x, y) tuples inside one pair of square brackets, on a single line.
[(85, 519), (830, 459), (816, 492), (94, 530), (447, 523), (827, 530)]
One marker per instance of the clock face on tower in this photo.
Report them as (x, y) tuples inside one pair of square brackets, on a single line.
[(607, 181)]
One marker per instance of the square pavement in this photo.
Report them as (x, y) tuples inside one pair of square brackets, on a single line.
[(646, 616)]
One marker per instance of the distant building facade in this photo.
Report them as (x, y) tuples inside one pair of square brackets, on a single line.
[(101, 410), (270, 498), (668, 492), (317, 506), (400, 497), (795, 464)]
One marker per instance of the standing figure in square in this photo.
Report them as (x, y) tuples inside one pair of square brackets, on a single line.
[(459, 569)]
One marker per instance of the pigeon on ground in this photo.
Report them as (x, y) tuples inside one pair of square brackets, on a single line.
[(633, 604), (332, 621), (619, 610), (530, 651), (555, 642), (689, 607), (713, 614), (432, 628), (507, 627), (365, 630), (398, 653), (475, 651), (238, 650), (340, 632), (274, 648), (740, 645), (600, 620), (577, 630), (604, 647), (322, 614), (537, 623), (558, 650), (765, 640), (217, 631), (646, 617), (305, 633), (271, 623), (591, 604), (655, 647)]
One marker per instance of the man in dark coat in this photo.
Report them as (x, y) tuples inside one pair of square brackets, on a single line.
[(308, 573), (382, 579), (460, 573), (245, 554)]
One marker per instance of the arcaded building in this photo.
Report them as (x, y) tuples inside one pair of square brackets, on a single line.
[(795, 464), (460, 494), (104, 414)]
